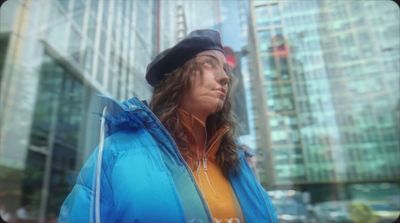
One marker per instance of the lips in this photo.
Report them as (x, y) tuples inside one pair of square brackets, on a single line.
[(221, 90)]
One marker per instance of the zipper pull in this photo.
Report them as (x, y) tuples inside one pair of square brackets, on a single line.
[(205, 163)]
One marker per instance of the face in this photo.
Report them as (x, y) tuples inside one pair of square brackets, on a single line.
[(209, 87)]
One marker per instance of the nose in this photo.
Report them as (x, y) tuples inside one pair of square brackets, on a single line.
[(222, 78)]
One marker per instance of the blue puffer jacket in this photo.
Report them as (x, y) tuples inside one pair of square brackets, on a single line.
[(144, 178)]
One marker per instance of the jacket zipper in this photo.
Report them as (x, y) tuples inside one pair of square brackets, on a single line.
[(204, 160)]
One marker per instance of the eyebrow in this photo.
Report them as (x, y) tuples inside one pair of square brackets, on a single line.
[(215, 58)]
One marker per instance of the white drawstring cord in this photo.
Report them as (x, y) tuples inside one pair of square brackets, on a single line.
[(98, 169)]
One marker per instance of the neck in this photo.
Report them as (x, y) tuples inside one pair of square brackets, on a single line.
[(197, 126), (199, 114), (199, 134)]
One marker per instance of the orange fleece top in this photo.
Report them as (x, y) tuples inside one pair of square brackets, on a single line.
[(215, 188)]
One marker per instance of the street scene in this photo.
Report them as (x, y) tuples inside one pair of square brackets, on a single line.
[(314, 86)]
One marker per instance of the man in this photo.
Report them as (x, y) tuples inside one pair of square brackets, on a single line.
[(177, 162)]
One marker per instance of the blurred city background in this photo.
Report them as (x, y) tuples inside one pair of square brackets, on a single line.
[(318, 98)]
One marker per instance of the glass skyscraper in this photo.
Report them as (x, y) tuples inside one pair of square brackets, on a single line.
[(321, 81), (329, 73), (56, 58)]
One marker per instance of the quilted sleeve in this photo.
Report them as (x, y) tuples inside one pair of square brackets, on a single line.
[(79, 204)]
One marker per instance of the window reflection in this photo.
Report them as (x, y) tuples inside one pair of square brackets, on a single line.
[(58, 121), (328, 69)]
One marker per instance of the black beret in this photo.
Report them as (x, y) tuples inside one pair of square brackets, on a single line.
[(172, 58)]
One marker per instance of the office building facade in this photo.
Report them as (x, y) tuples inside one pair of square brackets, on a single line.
[(57, 57), (329, 83)]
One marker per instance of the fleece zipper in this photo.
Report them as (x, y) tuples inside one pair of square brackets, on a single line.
[(204, 159)]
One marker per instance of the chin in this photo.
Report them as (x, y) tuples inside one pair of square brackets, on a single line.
[(213, 107), (219, 107)]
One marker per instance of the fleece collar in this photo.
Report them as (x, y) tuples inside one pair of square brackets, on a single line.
[(190, 121)]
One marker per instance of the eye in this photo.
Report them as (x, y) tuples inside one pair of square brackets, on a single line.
[(209, 64)]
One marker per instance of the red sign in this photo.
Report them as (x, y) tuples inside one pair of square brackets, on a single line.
[(230, 57)]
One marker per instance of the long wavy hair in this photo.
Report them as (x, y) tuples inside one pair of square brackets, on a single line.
[(167, 96)]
